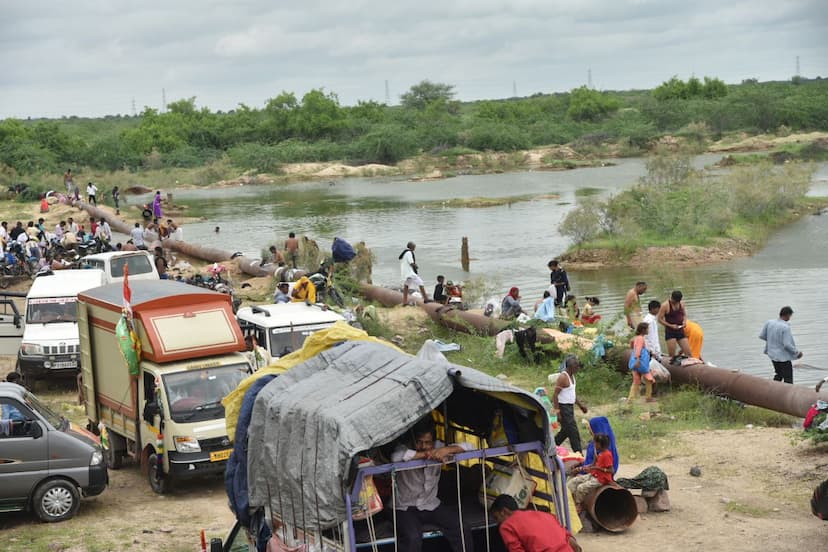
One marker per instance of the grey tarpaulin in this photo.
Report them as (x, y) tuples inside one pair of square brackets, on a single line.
[(310, 422)]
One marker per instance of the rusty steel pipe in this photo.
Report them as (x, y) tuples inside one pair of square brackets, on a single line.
[(612, 507), (773, 395), (454, 319), (115, 223)]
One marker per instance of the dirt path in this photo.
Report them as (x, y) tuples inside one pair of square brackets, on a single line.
[(753, 494)]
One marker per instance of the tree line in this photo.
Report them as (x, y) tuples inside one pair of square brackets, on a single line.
[(316, 127)]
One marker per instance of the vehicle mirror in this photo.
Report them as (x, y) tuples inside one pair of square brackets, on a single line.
[(32, 429), (151, 410)]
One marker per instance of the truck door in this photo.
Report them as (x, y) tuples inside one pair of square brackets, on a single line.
[(24, 452), (87, 373)]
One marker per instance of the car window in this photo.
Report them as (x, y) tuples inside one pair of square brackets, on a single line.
[(95, 263), (12, 419), (138, 264)]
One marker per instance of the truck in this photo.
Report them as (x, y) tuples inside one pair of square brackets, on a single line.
[(165, 412), (282, 328), (49, 347)]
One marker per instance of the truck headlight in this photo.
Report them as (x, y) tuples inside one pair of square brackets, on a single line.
[(97, 458), (31, 349), (186, 444)]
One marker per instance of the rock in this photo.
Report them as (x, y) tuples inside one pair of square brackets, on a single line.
[(502, 377), (695, 471), (725, 500), (659, 503), (749, 426)]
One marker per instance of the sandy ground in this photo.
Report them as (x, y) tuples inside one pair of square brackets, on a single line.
[(725, 249), (752, 495)]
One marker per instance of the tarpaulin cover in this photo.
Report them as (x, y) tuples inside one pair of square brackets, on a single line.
[(309, 423), (313, 345)]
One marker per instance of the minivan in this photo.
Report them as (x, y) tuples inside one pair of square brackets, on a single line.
[(46, 462)]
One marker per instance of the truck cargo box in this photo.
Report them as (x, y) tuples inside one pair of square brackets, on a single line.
[(174, 321)]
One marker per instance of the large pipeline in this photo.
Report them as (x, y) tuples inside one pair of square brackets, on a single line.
[(455, 319), (209, 254), (773, 395)]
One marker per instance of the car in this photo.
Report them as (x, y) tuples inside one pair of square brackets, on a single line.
[(46, 462)]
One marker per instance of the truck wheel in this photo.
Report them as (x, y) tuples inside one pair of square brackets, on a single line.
[(56, 500), (159, 485), (25, 380), (114, 455)]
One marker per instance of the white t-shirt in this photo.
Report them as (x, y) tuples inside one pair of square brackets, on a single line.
[(651, 339), (406, 270), (137, 235), (91, 189)]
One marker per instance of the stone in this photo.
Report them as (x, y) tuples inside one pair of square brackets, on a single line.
[(695, 471), (641, 504), (659, 503)]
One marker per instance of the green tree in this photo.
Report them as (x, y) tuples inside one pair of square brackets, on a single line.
[(673, 89), (586, 104), (426, 92), (714, 88), (319, 116)]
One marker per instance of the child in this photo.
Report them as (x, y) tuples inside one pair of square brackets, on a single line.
[(593, 475), (640, 363), (440, 295), (587, 314), (572, 309)]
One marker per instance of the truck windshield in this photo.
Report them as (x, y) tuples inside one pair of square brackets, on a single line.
[(138, 264), (55, 420), (195, 395), (45, 310), (285, 340)]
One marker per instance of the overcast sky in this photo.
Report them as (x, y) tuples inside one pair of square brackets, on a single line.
[(92, 58)]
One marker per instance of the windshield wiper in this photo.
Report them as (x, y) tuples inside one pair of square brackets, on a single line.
[(206, 405), (196, 409), (58, 320)]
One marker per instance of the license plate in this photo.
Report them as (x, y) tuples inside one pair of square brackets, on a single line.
[(220, 455), (66, 364)]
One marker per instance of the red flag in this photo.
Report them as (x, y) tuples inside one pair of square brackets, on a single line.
[(127, 293)]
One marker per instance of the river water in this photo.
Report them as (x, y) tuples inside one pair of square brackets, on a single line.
[(511, 245)]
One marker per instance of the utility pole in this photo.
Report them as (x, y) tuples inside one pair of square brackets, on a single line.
[(514, 89), (797, 66), (134, 112), (589, 78), (387, 93), (163, 100)]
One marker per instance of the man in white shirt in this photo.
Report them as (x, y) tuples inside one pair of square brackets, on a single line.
[(91, 193), (137, 235), (72, 226), (103, 231), (4, 231), (651, 339), (408, 273), (416, 501)]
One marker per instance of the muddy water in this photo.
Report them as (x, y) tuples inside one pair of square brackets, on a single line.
[(511, 244)]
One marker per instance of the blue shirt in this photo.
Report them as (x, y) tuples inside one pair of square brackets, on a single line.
[(779, 342)]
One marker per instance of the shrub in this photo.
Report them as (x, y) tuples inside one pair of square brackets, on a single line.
[(497, 137)]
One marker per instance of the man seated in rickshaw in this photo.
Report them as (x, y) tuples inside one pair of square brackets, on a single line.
[(417, 503)]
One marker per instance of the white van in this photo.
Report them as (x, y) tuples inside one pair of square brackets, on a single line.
[(50, 336), (283, 328), (141, 265)]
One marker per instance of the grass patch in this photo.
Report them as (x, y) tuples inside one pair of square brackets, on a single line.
[(751, 510)]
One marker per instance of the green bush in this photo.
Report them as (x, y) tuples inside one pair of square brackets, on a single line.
[(497, 137), (256, 157)]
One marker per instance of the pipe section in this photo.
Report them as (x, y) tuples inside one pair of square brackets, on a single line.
[(612, 507)]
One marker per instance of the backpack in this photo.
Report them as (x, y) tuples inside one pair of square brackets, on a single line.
[(342, 251)]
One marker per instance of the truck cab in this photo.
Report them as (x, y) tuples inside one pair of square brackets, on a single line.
[(46, 462), (282, 328), (140, 263), (50, 343)]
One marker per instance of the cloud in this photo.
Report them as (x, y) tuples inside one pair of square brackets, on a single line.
[(88, 57)]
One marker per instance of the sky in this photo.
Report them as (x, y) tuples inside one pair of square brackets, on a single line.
[(102, 57)]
